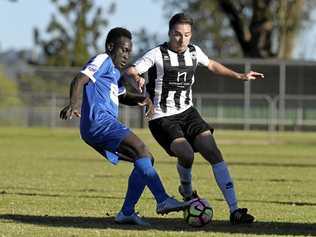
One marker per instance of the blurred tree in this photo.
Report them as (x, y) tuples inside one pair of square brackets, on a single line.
[(32, 83), (8, 91), (144, 41), (75, 37), (263, 28)]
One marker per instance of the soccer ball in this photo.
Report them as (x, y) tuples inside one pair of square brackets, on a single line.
[(199, 213)]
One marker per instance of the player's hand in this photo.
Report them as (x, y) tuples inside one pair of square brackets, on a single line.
[(252, 76), (149, 107), (140, 83), (68, 112)]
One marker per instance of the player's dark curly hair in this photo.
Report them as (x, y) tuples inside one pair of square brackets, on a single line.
[(180, 18), (116, 33)]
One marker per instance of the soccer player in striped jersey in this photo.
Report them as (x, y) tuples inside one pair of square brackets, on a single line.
[(176, 124), (101, 82)]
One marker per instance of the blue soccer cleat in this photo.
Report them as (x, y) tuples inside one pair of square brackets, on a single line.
[(133, 219), (171, 205)]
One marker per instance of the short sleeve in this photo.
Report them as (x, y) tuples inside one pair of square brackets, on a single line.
[(96, 64), (121, 88), (202, 58), (146, 61)]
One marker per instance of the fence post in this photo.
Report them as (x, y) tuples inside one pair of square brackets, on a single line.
[(282, 88), (53, 110), (247, 92), (299, 118), (273, 111)]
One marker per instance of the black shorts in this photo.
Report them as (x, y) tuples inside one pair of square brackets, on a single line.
[(187, 124)]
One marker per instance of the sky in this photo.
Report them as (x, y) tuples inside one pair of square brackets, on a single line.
[(17, 19)]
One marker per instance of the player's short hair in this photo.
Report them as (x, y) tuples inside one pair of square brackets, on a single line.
[(180, 18), (117, 33)]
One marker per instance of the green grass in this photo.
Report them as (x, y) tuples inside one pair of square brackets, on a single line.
[(52, 184)]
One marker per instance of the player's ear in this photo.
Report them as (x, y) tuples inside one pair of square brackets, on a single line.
[(109, 47)]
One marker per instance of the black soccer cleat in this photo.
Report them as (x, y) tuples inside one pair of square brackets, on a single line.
[(240, 216), (194, 195)]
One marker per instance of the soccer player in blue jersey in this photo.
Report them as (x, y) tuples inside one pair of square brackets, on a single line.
[(101, 82)]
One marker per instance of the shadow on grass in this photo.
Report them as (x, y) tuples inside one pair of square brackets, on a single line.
[(3, 192), (164, 224), (247, 163)]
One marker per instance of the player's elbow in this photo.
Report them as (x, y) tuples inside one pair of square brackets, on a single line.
[(211, 66)]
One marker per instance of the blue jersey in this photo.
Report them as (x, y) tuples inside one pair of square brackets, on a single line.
[(101, 93), (99, 109)]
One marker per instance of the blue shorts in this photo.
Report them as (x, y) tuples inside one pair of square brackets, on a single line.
[(105, 137)]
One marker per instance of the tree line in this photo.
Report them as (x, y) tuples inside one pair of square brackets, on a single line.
[(223, 28)]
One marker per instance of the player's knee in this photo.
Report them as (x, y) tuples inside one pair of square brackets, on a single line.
[(182, 150), (185, 158), (141, 149)]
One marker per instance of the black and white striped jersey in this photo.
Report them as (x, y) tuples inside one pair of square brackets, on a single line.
[(170, 77)]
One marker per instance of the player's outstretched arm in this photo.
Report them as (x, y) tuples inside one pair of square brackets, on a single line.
[(73, 108), (220, 69)]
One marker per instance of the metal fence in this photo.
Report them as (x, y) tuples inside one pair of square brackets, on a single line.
[(221, 110), (284, 100), (258, 111)]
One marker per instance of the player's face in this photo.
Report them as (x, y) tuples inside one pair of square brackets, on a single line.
[(180, 37), (121, 52)]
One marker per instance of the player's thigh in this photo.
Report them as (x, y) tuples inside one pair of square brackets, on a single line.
[(133, 146), (194, 127), (205, 144), (112, 157), (107, 134), (106, 137), (165, 130)]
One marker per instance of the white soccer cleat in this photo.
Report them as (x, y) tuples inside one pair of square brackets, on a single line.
[(133, 219), (170, 205)]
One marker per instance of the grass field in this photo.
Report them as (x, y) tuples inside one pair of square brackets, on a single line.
[(52, 184)]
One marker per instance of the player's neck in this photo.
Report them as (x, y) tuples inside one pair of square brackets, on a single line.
[(173, 49)]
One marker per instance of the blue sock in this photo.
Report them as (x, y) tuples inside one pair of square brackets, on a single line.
[(149, 174), (135, 188), (225, 183), (185, 179)]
